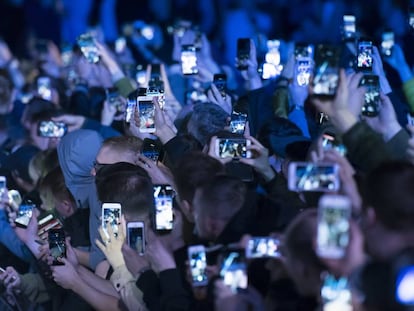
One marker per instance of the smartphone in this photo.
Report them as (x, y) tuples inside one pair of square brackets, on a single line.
[(151, 149), (326, 71), (111, 214), (47, 223), (364, 56), (263, 247), (220, 81), (15, 199), (233, 269), (387, 43), (189, 60), (307, 176), (238, 122), (44, 88), (335, 293), (131, 104), (88, 48), (404, 284), (115, 99), (66, 54), (371, 105), (163, 217), (140, 75), (120, 45), (349, 27), (329, 142), (146, 111), (272, 67), (232, 147), (198, 264), (303, 50), (411, 17), (136, 236), (243, 53), (24, 214), (334, 212), (57, 245), (51, 129)]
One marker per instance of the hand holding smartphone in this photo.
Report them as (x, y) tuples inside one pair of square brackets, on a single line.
[(51, 129), (232, 148)]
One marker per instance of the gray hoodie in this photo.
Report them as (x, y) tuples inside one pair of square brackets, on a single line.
[(77, 151)]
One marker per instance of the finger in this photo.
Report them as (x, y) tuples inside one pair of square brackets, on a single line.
[(254, 140), (100, 246), (215, 91)]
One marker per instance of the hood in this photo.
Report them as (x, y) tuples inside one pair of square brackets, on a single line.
[(77, 151)]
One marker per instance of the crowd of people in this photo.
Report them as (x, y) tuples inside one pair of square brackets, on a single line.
[(256, 157)]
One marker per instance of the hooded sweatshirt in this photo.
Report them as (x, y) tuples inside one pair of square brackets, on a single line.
[(77, 151)]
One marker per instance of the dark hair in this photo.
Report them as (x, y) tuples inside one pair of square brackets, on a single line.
[(206, 119), (6, 87), (223, 196), (192, 170), (35, 107), (388, 189), (127, 184)]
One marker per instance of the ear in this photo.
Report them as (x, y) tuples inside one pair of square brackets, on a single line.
[(187, 210)]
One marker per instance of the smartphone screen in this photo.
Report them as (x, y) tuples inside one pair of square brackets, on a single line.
[(307, 176), (44, 88), (336, 293), (329, 142), (115, 99), (411, 17), (150, 149), (232, 147), (220, 81), (387, 43), (163, 201), (52, 129), (349, 27), (131, 104), (120, 45), (372, 96), (135, 236), (364, 57), (243, 53), (24, 214), (111, 214), (146, 109), (238, 122), (404, 285), (263, 247), (326, 71), (88, 48), (198, 264), (334, 212), (57, 245), (234, 269), (189, 60)]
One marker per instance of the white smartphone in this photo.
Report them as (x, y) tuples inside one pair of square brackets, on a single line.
[(146, 110), (163, 216), (232, 147), (334, 212), (189, 60), (263, 247), (111, 213), (307, 176), (198, 263), (136, 236)]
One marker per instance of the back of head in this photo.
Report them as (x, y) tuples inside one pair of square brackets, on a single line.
[(192, 170), (206, 119), (389, 191), (124, 144), (127, 184)]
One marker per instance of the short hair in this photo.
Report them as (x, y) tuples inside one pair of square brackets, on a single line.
[(122, 143), (206, 119), (192, 170), (128, 185), (53, 186), (388, 189), (299, 237), (34, 109), (42, 163), (223, 196)]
